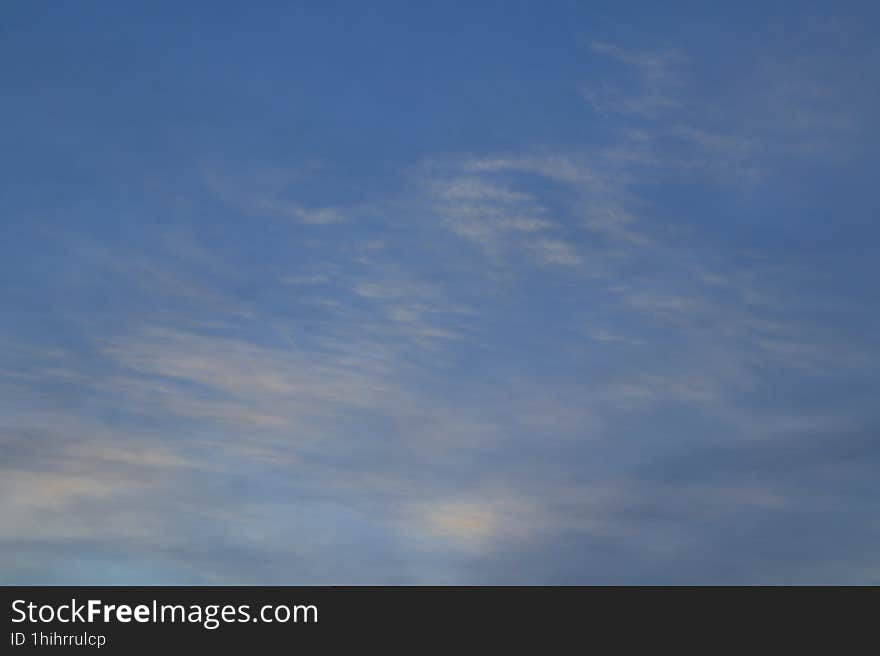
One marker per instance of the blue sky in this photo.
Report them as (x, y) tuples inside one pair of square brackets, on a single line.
[(447, 293)]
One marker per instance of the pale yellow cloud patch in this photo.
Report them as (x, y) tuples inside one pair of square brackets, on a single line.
[(476, 524)]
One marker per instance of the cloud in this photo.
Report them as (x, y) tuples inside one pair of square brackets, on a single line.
[(543, 363), (555, 251), (271, 193), (779, 106), (658, 82)]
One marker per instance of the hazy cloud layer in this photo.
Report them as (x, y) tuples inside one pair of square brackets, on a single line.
[(606, 315)]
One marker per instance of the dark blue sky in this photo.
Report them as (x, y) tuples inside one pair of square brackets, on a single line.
[(514, 292)]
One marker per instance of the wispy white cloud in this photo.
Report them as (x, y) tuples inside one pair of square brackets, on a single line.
[(659, 78), (273, 194)]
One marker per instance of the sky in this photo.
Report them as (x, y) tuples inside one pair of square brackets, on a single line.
[(439, 293)]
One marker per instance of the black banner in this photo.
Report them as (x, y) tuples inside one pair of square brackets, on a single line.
[(202, 619)]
